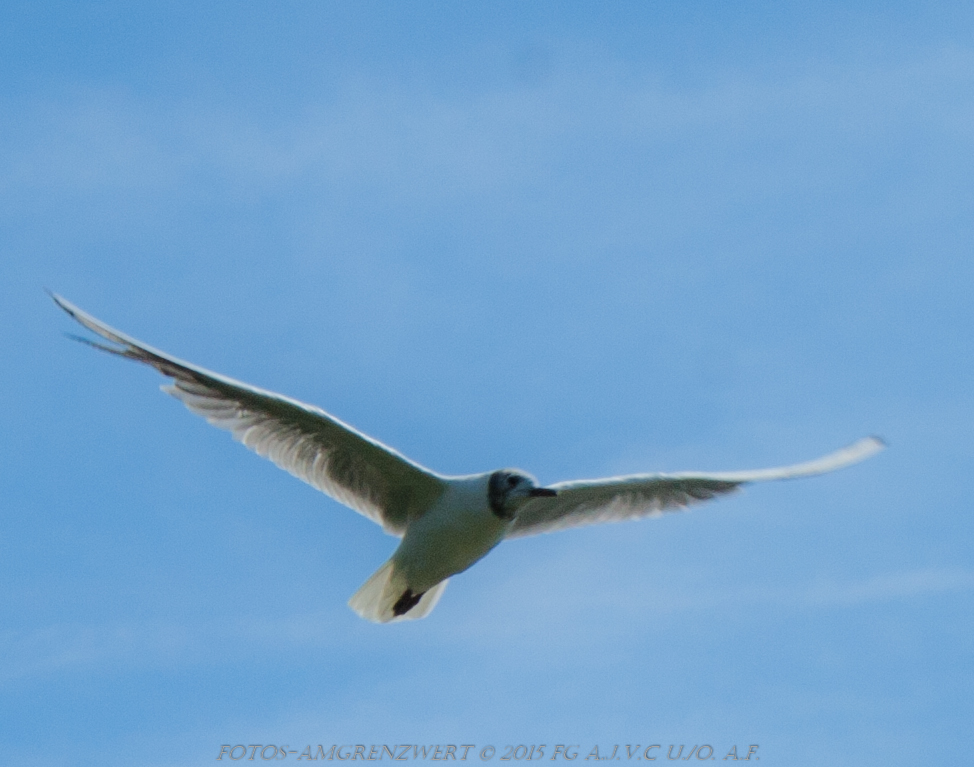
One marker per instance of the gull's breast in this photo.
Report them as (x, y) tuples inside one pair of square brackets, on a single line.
[(456, 532)]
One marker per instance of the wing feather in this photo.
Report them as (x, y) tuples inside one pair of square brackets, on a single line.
[(354, 469), (588, 502)]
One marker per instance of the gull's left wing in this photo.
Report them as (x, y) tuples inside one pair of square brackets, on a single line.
[(354, 469), (587, 502)]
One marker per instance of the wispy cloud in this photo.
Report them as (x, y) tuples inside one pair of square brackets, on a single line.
[(584, 598), (72, 647), (413, 141)]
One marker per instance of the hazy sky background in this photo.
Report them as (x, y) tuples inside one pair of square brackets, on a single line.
[(577, 238)]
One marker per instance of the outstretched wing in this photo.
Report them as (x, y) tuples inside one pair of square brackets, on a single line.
[(614, 499), (356, 470)]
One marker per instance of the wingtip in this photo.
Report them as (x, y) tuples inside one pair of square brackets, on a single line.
[(849, 455), (61, 302), (871, 445), (92, 323), (859, 450)]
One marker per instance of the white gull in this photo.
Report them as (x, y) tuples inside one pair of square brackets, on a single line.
[(446, 523)]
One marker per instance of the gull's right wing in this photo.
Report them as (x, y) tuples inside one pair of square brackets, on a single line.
[(349, 466), (615, 499)]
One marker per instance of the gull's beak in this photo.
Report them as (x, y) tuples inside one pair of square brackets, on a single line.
[(542, 492)]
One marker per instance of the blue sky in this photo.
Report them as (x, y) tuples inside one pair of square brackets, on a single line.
[(577, 238)]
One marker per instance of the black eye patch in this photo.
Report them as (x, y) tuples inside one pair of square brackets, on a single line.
[(511, 481)]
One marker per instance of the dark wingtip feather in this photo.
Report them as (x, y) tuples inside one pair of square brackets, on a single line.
[(58, 300), (96, 345)]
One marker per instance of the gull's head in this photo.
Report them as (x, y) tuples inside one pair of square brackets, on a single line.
[(509, 489)]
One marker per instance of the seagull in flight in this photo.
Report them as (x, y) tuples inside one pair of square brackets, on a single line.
[(446, 523)]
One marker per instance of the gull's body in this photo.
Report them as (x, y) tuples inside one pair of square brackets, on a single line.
[(446, 523), (456, 531)]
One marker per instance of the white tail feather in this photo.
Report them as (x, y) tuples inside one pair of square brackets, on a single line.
[(375, 599)]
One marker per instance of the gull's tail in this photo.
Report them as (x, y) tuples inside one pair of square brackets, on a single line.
[(379, 596)]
